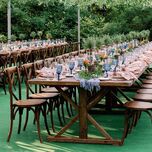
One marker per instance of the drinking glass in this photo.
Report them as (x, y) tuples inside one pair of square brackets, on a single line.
[(58, 70), (106, 69), (80, 63), (71, 66)]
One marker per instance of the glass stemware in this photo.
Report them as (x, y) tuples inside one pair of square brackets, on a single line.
[(80, 63), (58, 70), (71, 66), (106, 68)]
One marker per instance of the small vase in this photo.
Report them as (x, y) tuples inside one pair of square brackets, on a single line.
[(91, 68)]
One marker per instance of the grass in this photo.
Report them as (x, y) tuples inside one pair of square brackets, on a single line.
[(138, 141)]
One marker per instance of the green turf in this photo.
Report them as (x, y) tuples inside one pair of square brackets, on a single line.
[(138, 141)]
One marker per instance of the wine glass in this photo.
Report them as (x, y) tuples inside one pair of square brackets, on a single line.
[(97, 57), (58, 70), (80, 63), (71, 66), (106, 68)]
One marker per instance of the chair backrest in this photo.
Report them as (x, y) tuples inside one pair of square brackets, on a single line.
[(4, 59), (29, 73), (24, 56), (48, 62), (43, 53), (14, 58), (13, 76), (38, 64)]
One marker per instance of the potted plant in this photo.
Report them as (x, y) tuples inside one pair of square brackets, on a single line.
[(13, 37), (129, 37), (40, 33), (99, 42), (22, 36), (89, 43), (107, 40), (48, 35), (33, 35), (3, 38), (117, 39)]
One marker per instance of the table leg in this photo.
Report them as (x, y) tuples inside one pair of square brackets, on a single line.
[(83, 124)]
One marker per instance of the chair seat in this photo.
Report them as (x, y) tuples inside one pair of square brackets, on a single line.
[(149, 77), (29, 102), (53, 90), (149, 74), (43, 95), (147, 81), (146, 91), (138, 105), (147, 86), (143, 97)]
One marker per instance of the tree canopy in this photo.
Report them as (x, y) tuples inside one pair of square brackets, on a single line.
[(59, 17)]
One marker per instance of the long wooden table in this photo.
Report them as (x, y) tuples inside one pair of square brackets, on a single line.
[(85, 104)]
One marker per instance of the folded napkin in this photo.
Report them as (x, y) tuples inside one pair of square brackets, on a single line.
[(128, 75), (46, 72)]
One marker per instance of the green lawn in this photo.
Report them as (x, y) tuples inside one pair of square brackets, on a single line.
[(139, 140)]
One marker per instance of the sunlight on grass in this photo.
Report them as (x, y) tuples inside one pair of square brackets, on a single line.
[(37, 147)]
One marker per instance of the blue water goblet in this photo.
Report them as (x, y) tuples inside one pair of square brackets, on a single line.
[(80, 63), (97, 57), (71, 66), (106, 68), (58, 70)]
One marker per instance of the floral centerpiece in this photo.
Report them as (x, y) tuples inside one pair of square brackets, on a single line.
[(92, 70), (103, 56)]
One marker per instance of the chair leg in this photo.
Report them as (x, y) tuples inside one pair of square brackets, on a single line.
[(50, 106), (149, 113), (137, 117), (68, 111), (62, 108), (45, 119), (4, 85), (26, 120), (10, 130), (126, 127), (37, 111), (133, 121), (71, 110), (58, 111), (20, 119)]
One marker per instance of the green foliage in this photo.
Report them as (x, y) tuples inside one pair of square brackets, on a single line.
[(3, 38), (99, 42), (13, 37), (107, 40), (40, 33), (89, 43), (117, 39), (59, 17), (84, 74), (33, 35), (22, 36), (48, 35)]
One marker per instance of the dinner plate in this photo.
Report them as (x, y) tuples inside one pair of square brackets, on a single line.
[(102, 78), (43, 78), (69, 75)]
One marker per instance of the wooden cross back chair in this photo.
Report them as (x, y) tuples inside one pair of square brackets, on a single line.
[(4, 60), (18, 105), (35, 93), (14, 58), (24, 56), (43, 53)]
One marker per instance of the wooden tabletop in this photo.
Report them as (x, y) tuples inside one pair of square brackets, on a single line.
[(74, 82)]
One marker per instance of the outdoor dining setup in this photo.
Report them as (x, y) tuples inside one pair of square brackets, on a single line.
[(81, 84)]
